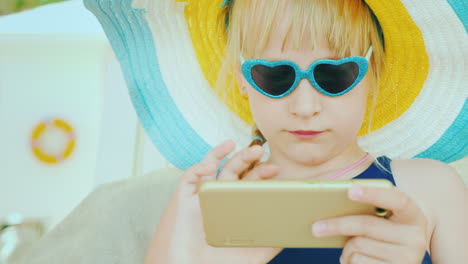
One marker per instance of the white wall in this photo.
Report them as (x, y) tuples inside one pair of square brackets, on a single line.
[(56, 61), (75, 77), (46, 76)]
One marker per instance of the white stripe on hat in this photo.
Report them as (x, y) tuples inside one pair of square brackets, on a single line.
[(433, 111)]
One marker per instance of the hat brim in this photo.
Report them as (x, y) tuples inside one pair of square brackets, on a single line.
[(166, 71)]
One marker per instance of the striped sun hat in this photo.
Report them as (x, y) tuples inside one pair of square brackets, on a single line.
[(168, 50)]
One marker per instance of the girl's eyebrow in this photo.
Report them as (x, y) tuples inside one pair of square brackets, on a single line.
[(328, 57), (331, 57)]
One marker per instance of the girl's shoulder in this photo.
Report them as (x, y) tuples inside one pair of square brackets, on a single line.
[(429, 182), (422, 175), (435, 186)]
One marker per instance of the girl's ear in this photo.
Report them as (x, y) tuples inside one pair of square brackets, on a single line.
[(242, 83)]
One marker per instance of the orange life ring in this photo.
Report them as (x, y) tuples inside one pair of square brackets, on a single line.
[(47, 157)]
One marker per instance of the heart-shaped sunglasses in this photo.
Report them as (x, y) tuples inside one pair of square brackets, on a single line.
[(330, 77)]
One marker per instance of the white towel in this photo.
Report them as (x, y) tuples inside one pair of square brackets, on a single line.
[(112, 225)]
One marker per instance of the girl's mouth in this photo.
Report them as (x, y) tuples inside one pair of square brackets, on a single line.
[(305, 134)]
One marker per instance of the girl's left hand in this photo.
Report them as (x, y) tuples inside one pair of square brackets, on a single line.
[(398, 239)]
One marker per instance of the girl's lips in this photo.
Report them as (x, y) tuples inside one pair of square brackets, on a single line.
[(303, 134)]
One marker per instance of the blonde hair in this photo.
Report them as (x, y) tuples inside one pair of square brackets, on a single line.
[(347, 25)]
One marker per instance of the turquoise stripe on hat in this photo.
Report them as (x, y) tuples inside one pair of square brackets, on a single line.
[(461, 9), (455, 138), (456, 135), (131, 39)]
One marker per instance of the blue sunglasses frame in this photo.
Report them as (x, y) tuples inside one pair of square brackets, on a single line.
[(362, 62)]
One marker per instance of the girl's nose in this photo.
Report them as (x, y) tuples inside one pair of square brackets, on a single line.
[(305, 100)]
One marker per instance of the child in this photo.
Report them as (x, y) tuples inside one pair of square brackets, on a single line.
[(314, 74), (311, 126)]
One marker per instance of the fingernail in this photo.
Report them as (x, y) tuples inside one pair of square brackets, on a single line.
[(248, 154), (256, 148), (355, 193), (341, 259), (319, 228), (252, 153)]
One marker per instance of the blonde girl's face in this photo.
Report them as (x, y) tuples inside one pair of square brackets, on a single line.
[(337, 118)]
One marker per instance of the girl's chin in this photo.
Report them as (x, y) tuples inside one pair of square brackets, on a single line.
[(307, 156)]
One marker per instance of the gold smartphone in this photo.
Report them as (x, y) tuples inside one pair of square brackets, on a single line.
[(276, 213)]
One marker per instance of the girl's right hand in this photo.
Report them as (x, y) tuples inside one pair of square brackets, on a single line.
[(188, 237)]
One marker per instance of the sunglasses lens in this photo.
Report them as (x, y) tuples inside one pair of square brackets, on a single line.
[(336, 78), (273, 80)]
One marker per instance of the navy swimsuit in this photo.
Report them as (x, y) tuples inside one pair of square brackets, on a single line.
[(332, 255)]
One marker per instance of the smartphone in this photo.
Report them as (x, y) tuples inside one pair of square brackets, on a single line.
[(278, 213)]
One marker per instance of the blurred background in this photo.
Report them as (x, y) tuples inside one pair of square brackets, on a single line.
[(56, 64)]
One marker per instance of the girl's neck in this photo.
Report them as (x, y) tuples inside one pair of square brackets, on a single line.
[(322, 169)]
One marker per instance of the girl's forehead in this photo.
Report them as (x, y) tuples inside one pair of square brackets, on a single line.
[(281, 45), (280, 39), (279, 48), (298, 26)]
